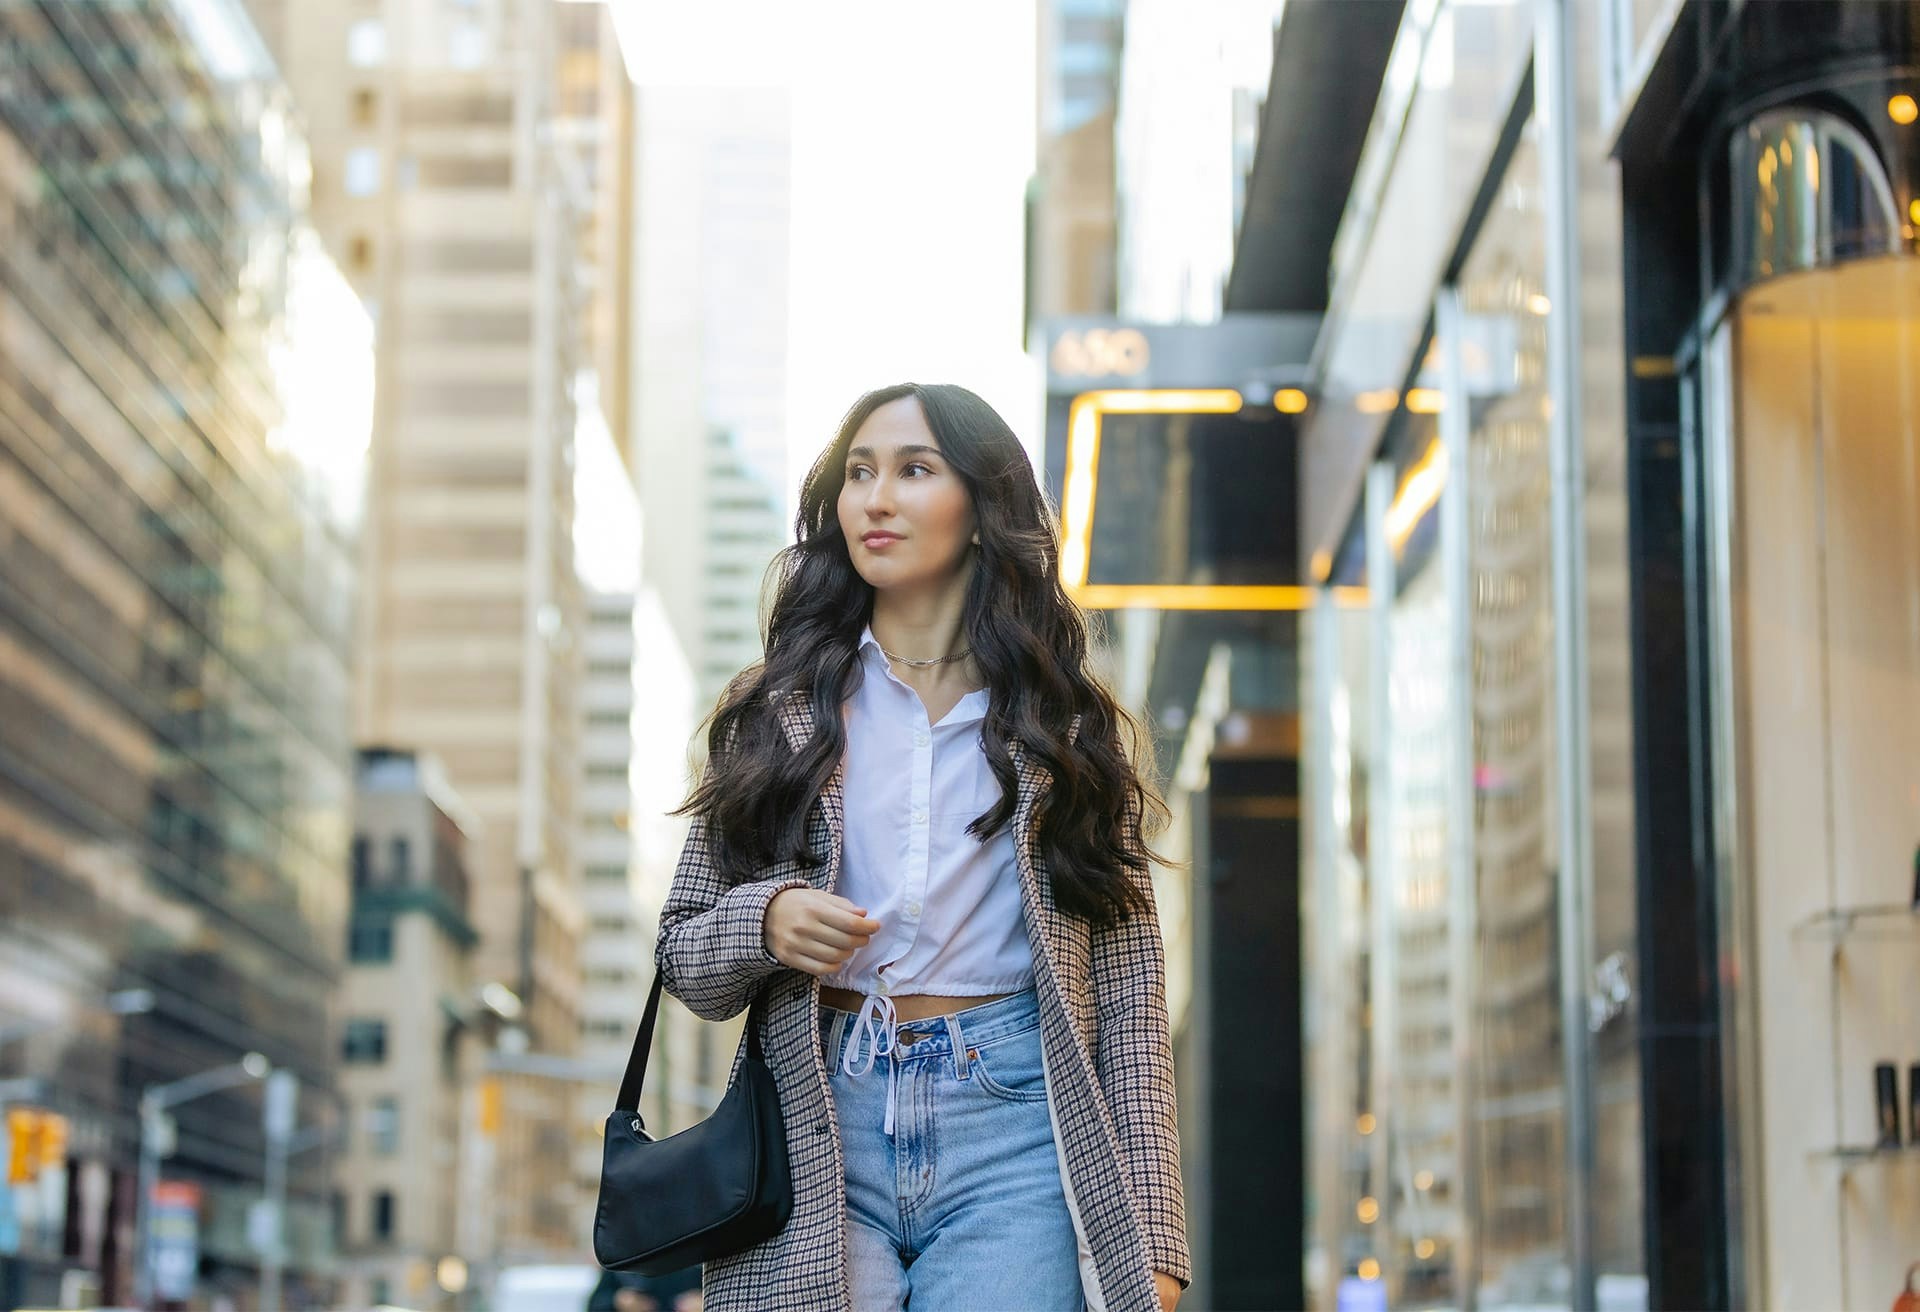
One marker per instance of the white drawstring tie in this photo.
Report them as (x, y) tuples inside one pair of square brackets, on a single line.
[(878, 1016)]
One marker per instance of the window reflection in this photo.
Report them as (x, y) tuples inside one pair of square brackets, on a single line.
[(1518, 1093)]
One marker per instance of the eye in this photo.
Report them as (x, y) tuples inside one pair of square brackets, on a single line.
[(913, 465), (856, 473)]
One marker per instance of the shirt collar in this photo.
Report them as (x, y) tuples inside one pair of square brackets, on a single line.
[(971, 706)]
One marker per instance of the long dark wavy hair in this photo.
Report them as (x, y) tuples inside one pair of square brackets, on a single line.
[(1028, 638)]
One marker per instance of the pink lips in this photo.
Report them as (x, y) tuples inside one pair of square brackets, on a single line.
[(875, 541)]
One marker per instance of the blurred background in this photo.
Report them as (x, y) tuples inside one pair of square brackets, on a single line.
[(1488, 432)]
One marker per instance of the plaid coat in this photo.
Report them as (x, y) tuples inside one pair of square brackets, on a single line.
[(1103, 1032)]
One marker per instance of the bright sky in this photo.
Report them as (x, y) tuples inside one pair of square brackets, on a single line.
[(913, 144)]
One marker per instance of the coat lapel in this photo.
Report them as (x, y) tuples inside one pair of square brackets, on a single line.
[(827, 830)]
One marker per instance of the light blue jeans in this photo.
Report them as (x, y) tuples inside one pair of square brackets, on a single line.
[(961, 1207)]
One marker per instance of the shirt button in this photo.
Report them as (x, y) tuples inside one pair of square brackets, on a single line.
[(913, 908), (919, 817), (920, 738)]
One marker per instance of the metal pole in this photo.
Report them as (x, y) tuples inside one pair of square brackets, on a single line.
[(278, 1117), (1555, 109), (150, 1132)]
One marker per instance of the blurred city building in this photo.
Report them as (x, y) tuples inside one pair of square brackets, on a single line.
[(185, 395), (1070, 219), (1191, 78), (615, 960), (456, 204), (410, 1041), (1566, 821), (593, 123), (712, 177)]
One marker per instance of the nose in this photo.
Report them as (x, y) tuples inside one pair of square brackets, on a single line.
[(879, 503)]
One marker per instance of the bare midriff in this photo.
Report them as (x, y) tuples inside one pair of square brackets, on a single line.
[(912, 1006)]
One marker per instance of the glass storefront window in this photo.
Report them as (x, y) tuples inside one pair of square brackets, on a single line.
[(1342, 1119), (1420, 1183), (1812, 388), (1518, 1098)]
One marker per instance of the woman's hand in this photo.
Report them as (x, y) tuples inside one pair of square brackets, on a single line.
[(814, 931), (1169, 1290)]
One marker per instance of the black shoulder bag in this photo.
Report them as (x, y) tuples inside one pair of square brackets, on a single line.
[(707, 1192)]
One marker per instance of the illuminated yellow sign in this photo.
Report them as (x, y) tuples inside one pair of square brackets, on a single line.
[(1078, 495)]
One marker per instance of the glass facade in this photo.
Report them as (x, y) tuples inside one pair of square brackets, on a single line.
[(1459, 1008), (182, 389), (1519, 1105), (1738, 583)]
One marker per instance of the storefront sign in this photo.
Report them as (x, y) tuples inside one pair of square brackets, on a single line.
[(174, 1236), (1086, 353)]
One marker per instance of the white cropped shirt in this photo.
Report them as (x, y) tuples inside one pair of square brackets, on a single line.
[(951, 922), (949, 909)]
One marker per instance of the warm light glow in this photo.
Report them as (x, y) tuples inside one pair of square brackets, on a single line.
[(1083, 452), (1368, 1269), (452, 1274), (1083, 459), (1419, 491), (1206, 596), (1377, 403), (1425, 400), (1423, 1181), (1322, 565), (1368, 1211), (1539, 303), (1424, 1249), (1290, 401), (1913, 210), (1366, 1123), (1902, 110)]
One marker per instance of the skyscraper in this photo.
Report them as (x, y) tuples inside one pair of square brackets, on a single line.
[(184, 390), (1072, 208), (709, 439), (457, 213)]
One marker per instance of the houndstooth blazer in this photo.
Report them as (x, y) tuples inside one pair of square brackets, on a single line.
[(1103, 1015)]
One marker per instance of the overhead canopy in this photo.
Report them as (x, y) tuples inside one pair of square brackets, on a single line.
[(1328, 60)]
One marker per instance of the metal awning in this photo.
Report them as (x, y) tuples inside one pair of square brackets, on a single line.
[(1328, 60)]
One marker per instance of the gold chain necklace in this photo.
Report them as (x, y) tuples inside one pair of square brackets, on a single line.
[(962, 654)]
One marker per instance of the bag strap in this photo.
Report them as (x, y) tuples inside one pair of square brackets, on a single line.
[(636, 1074)]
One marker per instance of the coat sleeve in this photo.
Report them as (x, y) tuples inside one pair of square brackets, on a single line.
[(711, 951), (1136, 1072)]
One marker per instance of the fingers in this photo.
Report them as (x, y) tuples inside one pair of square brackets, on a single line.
[(813, 965), (847, 921), (817, 932), (836, 940)]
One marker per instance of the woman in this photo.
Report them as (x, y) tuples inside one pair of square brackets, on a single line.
[(920, 833)]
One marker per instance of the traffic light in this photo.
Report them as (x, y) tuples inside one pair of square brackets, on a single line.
[(23, 1145), (36, 1141)]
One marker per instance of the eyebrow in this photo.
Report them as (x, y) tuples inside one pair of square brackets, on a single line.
[(905, 449)]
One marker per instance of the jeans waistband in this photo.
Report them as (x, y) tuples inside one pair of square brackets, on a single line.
[(937, 1036)]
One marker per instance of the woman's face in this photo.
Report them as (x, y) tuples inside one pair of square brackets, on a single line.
[(904, 510)]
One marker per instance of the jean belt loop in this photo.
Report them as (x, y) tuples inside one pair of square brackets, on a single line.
[(962, 1068)]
